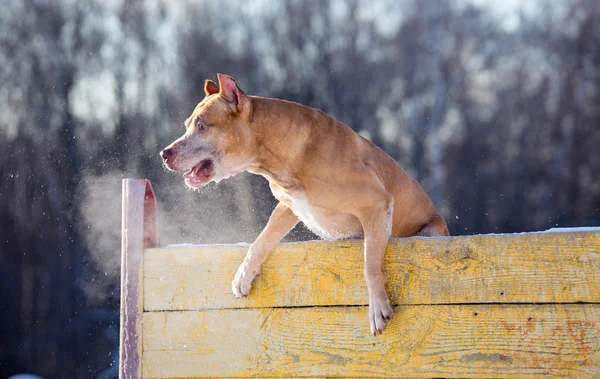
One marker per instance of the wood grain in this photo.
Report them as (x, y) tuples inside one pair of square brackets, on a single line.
[(518, 268), (138, 231), (471, 341)]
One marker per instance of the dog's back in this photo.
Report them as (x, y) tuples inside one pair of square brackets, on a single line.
[(321, 149)]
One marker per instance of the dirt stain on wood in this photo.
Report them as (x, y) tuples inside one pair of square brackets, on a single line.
[(492, 358)]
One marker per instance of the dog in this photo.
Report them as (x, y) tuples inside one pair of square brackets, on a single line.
[(337, 183)]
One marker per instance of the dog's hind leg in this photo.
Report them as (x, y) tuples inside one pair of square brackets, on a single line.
[(282, 220), (436, 227)]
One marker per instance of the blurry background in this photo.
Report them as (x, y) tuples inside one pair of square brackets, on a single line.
[(493, 106)]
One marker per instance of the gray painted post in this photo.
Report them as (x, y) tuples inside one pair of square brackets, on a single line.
[(139, 231)]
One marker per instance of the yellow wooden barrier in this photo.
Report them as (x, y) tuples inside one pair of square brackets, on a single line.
[(491, 306)]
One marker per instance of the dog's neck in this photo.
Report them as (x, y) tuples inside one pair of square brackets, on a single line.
[(275, 120)]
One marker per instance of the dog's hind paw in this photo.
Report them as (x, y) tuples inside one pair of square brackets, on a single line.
[(243, 280)]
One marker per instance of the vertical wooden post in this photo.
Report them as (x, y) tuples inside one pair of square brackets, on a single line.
[(139, 231)]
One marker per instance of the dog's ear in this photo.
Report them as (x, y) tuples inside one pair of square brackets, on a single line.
[(210, 87), (231, 92)]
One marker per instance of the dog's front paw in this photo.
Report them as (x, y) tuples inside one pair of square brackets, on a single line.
[(242, 283), (380, 312)]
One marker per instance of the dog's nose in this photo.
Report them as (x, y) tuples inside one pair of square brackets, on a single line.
[(166, 153)]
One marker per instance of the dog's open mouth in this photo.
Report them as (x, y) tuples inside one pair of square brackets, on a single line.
[(200, 174)]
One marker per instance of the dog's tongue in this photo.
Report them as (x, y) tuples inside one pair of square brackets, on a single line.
[(201, 170), (189, 173)]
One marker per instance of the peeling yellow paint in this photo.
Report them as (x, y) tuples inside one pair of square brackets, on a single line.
[(523, 268), (467, 309), (475, 341)]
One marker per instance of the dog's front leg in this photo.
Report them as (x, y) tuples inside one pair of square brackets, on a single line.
[(282, 220), (377, 223)]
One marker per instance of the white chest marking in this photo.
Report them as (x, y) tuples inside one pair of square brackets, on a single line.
[(329, 227)]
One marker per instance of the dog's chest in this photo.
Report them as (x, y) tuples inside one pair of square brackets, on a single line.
[(326, 224)]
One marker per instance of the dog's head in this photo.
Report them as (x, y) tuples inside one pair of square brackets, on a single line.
[(215, 143)]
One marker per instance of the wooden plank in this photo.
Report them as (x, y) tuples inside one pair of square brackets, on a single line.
[(139, 231), (471, 341), (258, 377), (520, 268)]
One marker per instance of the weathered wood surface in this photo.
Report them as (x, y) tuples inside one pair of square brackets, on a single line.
[(139, 231), (520, 268), (472, 341)]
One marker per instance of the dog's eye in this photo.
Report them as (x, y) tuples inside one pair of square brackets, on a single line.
[(200, 125)]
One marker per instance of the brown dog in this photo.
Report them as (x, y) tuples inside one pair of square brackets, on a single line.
[(323, 173)]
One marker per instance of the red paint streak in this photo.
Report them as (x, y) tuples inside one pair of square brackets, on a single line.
[(578, 331)]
